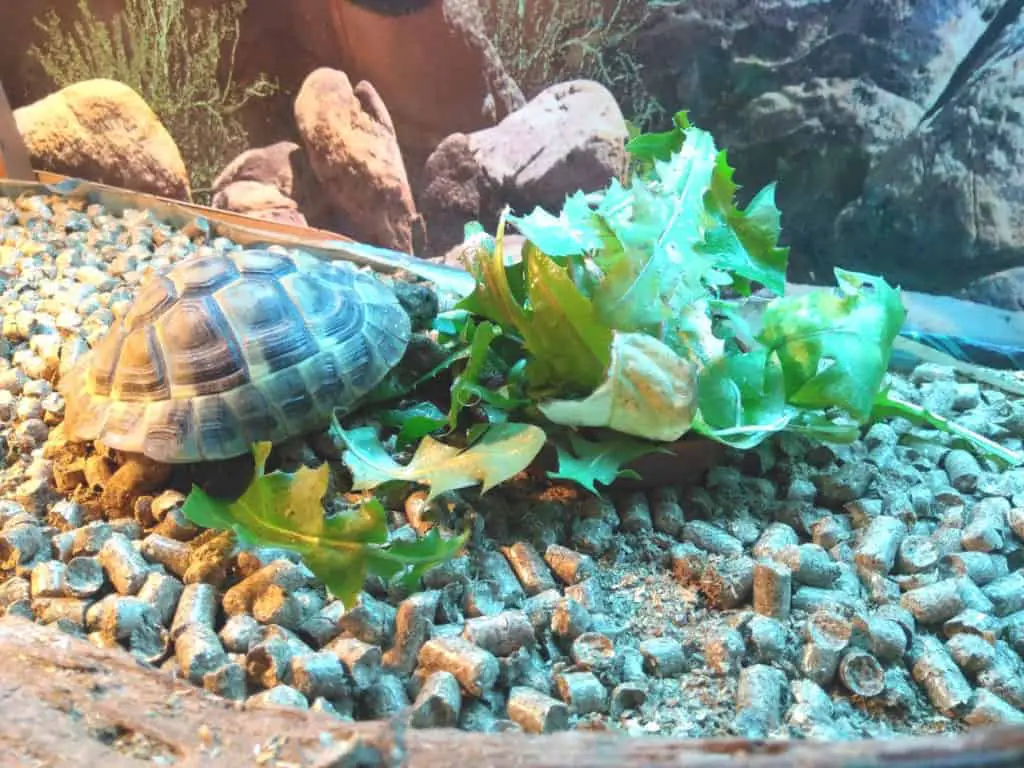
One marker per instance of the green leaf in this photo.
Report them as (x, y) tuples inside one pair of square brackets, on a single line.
[(560, 330), (286, 510), (834, 346), (585, 462), (742, 399), (504, 450)]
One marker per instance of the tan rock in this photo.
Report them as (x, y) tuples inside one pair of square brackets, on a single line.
[(261, 201), (102, 130), (246, 182), (570, 136), (353, 150)]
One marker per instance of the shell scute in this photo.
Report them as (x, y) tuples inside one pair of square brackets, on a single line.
[(270, 328), (201, 359)]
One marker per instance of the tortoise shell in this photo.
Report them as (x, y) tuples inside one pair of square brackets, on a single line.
[(225, 350)]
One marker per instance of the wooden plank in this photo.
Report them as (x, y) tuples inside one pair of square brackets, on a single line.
[(65, 702), (14, 160)]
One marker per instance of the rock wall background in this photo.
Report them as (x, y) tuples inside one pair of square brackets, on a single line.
[(894, 128)]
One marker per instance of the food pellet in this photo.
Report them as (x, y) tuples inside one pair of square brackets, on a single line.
[(536, 712), (474, 668), (533, 573), (439, 702), (582, 691)]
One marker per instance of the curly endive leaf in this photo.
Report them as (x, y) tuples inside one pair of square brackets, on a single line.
[(286, 510), (503, 451)]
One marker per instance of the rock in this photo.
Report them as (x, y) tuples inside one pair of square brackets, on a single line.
[(102, 130), (430, 62), (1004, 289), (570, 136), (261, 201), (809, 94), (283, 167), (353, 150), (942, 207)]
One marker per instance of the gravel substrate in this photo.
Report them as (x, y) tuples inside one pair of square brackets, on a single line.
[(802, 591)]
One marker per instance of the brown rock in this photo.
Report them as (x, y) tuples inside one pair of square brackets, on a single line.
[(431, 63), (102, 130), (261, 201), (570, 136), (245, 185), (352, 148)]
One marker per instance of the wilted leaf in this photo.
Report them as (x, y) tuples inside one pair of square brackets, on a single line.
[(649, 392), (504, 450)]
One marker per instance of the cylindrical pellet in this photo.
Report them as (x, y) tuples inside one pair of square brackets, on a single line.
[(48, 610), (979, 567), (934, 603), (361, 660), (688, 563), (663, 656), (279, 697), (774, 539), (125, 566), (536, 712), (876, 551), (809, 564), (989, 709), (634, 512), (773, 589), (582, 691), (502, 634), (589, 594), (438, 703), (666, 512), (861, 673), (533, 573), (198, 651), (592, 650), (569, 620), (385, 698), (972, 653), (711, 538), (268, 661), (768, 638), (84, 576), (987, 527), (1006, 593), (228, 680), (474, 668), (963, 470), (371, 620), (934, 670), (762, 688), (283, 573), (728, 583), (723, 650), (569, 565), (239, 633), (49, 579), (318, 674), (196, 605), (916, 555), (412, 629), (172, 555)]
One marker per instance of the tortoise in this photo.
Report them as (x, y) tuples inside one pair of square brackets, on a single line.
[(227, 349)]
